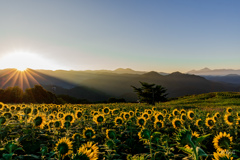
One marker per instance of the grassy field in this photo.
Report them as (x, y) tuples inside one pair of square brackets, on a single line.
[(205, 126)]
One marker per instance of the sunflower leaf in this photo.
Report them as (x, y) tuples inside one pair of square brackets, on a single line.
[(200, 139), (186, 150)]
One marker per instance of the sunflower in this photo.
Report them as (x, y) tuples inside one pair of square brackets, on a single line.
[(126, 116), (149, 111), (199, 122), (12, 107), (58, 124), (1, 106), (28, 110), (146, 115), (115, 111), (183, 116), (45, 109), (35, 111), (2, 120), (159, 116), (78, 114), (131, 113), (7, 115), (183, 111), (190, 115), (175, 112), (158, 124), (118, 121), (144, 133), (223, 155), (141, 121), (50, 124), (69, 117), (38, 120), (111, 134), (210, 122), (177, 123), (217, 114), (16, 117), (76, 137), (51, 116), (229, 110), (87, 152), (99, 119), (88, 133), (60, 115), (228, 118), (222, 141), (137, 114), (154, 108), (106, 110), (64, 147), (18, 108), (165, 111)]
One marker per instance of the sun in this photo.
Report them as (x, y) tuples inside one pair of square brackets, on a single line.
[(21, 60)]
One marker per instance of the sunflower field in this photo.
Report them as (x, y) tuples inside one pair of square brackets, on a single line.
[(123, 131)]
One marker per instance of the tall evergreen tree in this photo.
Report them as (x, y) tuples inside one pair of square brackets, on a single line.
[(151, 93)]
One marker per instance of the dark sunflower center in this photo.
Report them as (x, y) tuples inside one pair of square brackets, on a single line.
[(119, 121), (141, 122), (38, 121), (79, 114), (177, 123), (77, 137), (63, 148), (184, 117), (159, 124), (230, 119), (67, 124), (27, 110), (127, 116), (106, 110), (224, 143), (210, 123), (8, 115), (89, 133), (60, 115), (146, 133), (100, 119), (57, 124), (191, 115), (111, 134), (2, 120), (137, 114), (160, 117), (145, 115), (69, 118)]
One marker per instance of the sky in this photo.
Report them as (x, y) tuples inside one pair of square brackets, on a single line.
[(164, 35)]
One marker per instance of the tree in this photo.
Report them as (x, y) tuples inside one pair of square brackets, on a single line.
[(151, 93)]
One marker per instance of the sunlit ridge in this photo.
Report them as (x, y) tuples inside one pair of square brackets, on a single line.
[(24, 79)]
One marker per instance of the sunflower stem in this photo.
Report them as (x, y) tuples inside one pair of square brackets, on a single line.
[(194, 150)]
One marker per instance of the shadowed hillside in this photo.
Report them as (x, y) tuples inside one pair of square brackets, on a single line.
[(98, 86)]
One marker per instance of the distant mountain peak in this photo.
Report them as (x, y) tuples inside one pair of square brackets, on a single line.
[(123, 69), (152, 74), (205, 69)]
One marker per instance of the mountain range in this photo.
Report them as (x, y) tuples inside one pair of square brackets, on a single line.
[(100, 85)]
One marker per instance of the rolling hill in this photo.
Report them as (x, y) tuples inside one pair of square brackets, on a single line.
[(101, 85)]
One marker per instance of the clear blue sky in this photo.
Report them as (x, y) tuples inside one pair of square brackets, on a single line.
[(159, 35)]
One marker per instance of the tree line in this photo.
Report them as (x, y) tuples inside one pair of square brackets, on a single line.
[(37, 94)]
